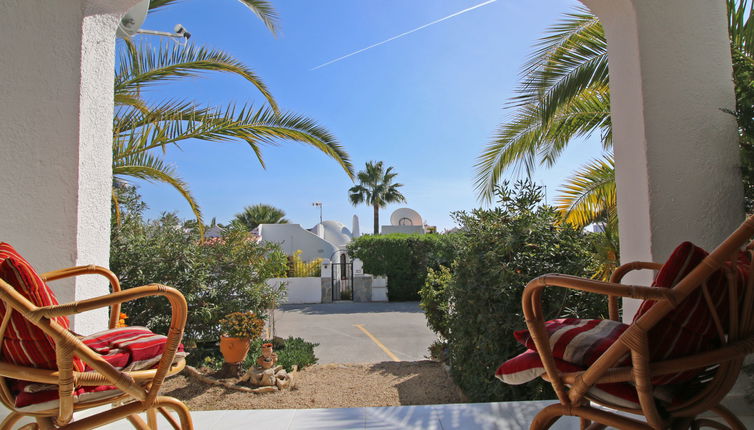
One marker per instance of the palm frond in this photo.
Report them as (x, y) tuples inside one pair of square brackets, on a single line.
[(741, 25), (265, 11), (176, 122), (525, 141), (570, 59), (167, 62), (149, 167), (157, 4), (130, 100), (589, 195)]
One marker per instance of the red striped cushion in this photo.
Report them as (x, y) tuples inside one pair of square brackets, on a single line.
[(129, 348), (689, 328), (24, 343), (577, 341), (125, 348), (528, 366)]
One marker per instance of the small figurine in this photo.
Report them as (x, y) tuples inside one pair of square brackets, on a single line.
[(268, 358)]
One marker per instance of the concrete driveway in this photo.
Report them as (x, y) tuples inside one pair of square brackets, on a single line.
[(350, 332)]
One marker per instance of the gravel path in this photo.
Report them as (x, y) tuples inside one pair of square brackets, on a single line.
[(332, 386)]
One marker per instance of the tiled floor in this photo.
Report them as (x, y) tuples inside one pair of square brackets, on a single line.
[(471, 416)]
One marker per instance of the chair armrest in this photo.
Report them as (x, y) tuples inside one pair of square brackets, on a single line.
[(89, 270), (122, 380), (532, 307), (617, 277)]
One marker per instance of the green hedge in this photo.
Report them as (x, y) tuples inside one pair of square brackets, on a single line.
[(404, 259), (499, 251)]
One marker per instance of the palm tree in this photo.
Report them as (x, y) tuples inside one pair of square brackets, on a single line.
[(253, 215), (564, 94), (376, 188), (140, 130)]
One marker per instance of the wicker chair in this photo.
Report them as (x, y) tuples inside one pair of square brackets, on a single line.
[(137, 391), (721, 366)]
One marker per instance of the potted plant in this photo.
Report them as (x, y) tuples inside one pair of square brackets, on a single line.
[(238, 330)]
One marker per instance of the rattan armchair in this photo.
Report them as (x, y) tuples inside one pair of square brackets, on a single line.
[(720, 366), (137, 391)]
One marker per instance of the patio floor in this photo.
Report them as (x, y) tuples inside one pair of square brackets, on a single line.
[(469, 416)]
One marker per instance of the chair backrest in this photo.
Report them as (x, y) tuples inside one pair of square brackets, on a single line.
[(713, 295), (23, 343)]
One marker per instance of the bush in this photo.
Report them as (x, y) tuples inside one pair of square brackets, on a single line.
[(500, 251), (435, 300), (217, 277), (298, 268), (404, 259)]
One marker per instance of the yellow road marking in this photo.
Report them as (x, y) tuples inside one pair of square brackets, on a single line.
[(378, 343)]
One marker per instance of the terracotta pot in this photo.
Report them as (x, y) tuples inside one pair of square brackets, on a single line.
[(234, 349)]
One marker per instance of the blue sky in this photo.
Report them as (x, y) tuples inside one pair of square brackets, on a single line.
[(426, 103)]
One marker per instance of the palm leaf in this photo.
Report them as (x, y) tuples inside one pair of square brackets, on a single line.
[(177, 122), (525, 140), (151, 168), (589, 195), (142, 66)]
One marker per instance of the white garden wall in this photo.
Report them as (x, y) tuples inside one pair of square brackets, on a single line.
[(299, 290), (379, 289)]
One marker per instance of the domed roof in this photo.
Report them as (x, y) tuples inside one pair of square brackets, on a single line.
[(336, 233)]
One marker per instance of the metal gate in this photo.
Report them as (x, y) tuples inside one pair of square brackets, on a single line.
[(342, 279)]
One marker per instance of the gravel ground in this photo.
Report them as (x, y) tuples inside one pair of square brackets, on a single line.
[(331, 386)]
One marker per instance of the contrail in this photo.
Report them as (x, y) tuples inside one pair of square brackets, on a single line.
[(404, 34)]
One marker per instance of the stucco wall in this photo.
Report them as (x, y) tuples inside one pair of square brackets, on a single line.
[(292, 237), (299, 290), (677, 158), (56, 78)]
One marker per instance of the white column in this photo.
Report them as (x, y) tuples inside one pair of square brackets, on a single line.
[(56, 87), (677, 158)]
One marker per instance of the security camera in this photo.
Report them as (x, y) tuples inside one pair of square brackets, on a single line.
[(181, 30)]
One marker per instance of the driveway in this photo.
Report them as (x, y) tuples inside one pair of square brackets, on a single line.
[(350, 332)]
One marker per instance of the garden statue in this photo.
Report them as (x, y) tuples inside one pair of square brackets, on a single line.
[(268, 358)]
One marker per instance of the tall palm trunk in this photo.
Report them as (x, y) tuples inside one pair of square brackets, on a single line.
[(376, 219)]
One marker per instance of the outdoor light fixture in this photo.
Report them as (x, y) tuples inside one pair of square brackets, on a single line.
[(134, 18), (319, 205)]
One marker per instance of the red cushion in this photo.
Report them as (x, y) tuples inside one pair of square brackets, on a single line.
[(577, 341), (126, 348), (528, 366), (689, 328), (129, 348), (24, 343)]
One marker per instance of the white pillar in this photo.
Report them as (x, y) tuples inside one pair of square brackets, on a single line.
[(677, 158), (56, 86)]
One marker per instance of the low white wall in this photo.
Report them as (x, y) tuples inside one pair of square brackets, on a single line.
[(379, 289), (299, 290)]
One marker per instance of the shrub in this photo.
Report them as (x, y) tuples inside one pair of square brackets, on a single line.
[(298, 268), (500, 250), (293, 351), (435, 299), (242, 324), (217, 277), (403, 258)]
